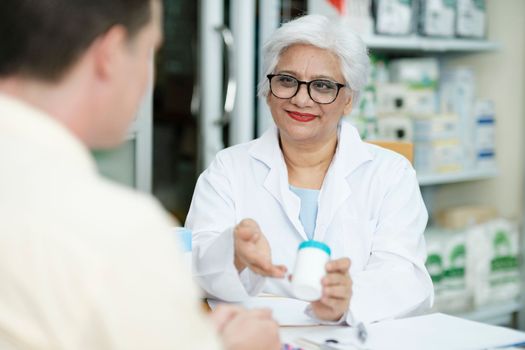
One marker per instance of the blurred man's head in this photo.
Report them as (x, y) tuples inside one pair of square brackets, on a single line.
[(95, 54)]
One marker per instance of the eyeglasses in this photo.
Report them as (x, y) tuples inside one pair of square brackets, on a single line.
[(321, 91)]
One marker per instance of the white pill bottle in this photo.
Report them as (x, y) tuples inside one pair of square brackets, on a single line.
[(310, 269)]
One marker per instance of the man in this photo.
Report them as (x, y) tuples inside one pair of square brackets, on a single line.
[(85, 263)]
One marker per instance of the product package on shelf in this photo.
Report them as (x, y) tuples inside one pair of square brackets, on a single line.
[(394, 17), (461, 217), (420, 78), (437, 144), (437, 17), (457, 95), (493, 262), (416, 72), (360, 16), (471, 18), (405, 98), (446, 262), (395, 128), (356, 14), (484, 134)]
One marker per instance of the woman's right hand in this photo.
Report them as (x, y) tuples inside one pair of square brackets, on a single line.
[(252, 250)]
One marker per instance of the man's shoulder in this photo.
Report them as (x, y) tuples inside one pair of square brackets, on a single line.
[(125, 204)]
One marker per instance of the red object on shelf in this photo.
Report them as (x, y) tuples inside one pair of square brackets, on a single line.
[(339, 5)]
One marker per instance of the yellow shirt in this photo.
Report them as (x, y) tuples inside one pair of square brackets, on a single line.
[(84, 263)]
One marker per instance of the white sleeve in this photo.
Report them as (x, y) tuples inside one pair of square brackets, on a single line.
[(211, 219), (395, 282)]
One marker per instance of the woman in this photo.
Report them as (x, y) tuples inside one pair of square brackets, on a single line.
[(312, 177)]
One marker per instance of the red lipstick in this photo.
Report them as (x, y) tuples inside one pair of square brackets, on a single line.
[(301, 117)]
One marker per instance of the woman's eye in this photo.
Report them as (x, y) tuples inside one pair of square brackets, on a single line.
[(323, 85), (286, 80)]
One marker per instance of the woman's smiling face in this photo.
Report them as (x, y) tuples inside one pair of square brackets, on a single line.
[(299, 118)]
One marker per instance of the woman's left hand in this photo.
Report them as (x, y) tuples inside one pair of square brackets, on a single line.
[(337, 291)]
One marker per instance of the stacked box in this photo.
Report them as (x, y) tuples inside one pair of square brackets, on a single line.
[(437, 145), (485, 134), (437, 17), (394, 17), (457, 92), (465, 216), (494, 262), (447, 265), (471, 18)]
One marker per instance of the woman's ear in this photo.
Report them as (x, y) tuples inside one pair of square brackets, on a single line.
[(348, 106)]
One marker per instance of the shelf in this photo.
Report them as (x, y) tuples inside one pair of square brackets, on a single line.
[(470, 175), (428, 44), (500, 314)]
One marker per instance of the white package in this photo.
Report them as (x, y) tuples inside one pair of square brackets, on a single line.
[(485, 134), (395, 128), (493, 259), (434, 263), (437, 17), (438, 156), (453, 296), (391, 98), (394, 17), (401, 98), (457, 91), (436, 126), (416, 72), (471, 18)]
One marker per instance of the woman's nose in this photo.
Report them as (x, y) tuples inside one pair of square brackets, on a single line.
[(302, 98)]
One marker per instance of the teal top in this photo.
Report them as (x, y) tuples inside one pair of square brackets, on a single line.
[(315, 244), (308, 213)]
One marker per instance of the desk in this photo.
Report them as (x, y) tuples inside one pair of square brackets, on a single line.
[(429, 332)]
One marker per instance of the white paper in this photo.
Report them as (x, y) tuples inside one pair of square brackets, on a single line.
[(286, 311), (429, 332)]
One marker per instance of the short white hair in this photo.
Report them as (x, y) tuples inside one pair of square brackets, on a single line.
[(321, 32)]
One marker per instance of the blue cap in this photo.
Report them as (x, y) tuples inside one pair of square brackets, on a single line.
[(315, 244), (184, 236)]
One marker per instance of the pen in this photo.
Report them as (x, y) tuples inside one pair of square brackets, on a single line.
[(362, 333)]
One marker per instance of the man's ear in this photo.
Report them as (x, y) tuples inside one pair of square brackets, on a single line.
[(348, 105), (107, 51)]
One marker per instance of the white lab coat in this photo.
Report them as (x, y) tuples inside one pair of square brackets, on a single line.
[(370, 210), (84, 263)]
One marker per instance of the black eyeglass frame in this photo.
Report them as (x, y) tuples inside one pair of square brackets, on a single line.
[(308, 84)]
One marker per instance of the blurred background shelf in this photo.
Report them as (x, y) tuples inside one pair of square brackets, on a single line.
[(501, 314), (468, 175), (428, 44)]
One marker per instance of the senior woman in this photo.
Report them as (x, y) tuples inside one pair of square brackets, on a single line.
[(312, 177)]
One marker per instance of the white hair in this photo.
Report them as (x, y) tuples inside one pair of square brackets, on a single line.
[(321, 32)]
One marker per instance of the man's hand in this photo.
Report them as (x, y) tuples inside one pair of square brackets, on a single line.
[(253, 251), (223, 314), (252, 329), (337, 291)]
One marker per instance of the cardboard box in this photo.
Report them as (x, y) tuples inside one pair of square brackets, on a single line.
[(465, 216)]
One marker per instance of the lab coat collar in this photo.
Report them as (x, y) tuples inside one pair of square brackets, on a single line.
[(350, 154), (351, 151), (267, 150)]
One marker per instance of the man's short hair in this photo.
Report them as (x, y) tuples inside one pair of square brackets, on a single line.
[(41, 39)]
